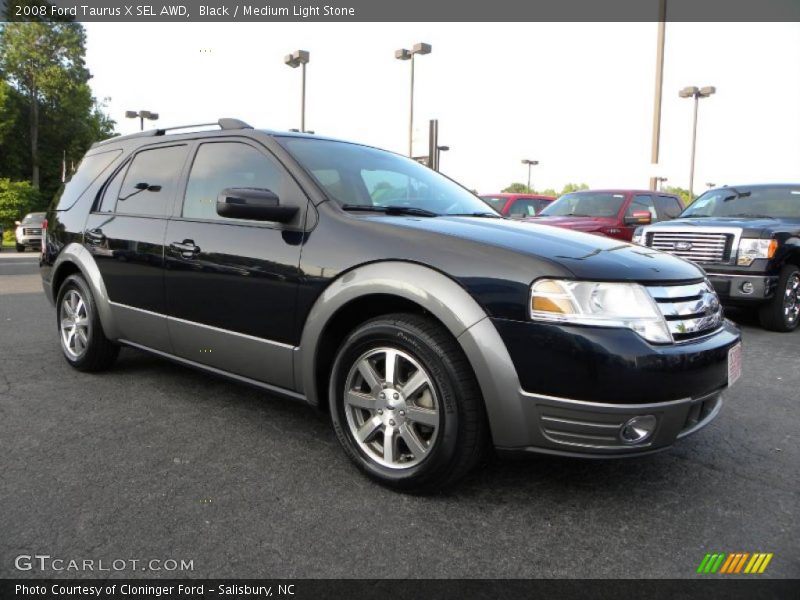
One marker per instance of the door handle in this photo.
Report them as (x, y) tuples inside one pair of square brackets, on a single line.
[(186, 248), (95, 236)]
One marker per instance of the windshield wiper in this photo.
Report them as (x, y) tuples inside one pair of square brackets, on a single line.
[(485, 215), (391, 210), (750, 215)]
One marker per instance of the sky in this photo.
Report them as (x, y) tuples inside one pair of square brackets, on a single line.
[(577, 97)]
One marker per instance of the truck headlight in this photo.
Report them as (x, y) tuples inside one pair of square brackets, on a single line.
[(751, 249), (638, 236), (601, 304)]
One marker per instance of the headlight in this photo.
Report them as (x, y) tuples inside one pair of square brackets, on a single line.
[(601, 304), (751, 249), (638, 236)]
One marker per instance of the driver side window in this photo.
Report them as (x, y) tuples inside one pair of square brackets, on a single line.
[(220, 165)]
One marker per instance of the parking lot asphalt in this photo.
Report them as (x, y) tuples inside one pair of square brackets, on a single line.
[(156, 461)]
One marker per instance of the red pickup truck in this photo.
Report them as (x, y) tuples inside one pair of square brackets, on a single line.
[(613, 213), (517, 206)]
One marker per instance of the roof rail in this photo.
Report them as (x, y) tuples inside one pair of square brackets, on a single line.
[(225, 124)]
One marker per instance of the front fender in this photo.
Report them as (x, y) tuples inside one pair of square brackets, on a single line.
[(453, 306)]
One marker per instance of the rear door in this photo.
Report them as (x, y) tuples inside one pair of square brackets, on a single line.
[(231, 284), (125, 234)]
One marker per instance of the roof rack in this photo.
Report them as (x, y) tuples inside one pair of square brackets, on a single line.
[(224, 124)]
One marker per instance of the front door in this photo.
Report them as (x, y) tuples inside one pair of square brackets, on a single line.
[(231, 284)]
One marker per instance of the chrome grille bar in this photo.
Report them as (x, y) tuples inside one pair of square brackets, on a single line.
[(690, 310)]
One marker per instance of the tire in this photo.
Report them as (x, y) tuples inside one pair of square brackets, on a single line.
[(782, 312), (439, 428), (87, 348), (20, 247)]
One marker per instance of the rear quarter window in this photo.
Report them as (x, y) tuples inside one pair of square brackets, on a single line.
[(89, 169)]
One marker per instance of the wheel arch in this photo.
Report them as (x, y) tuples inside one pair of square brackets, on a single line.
[(74, 258)]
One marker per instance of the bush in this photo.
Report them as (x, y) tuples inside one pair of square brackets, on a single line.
[(17, 198)]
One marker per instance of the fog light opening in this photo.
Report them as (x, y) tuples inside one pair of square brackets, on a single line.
[(638, 429), (746, 287)]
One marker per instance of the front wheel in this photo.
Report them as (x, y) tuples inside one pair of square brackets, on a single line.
[(782, 313), (83, 342), (405, 404)]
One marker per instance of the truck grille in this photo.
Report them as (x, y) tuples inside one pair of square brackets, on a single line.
[(31, 231), (691, 311), (705, 247)]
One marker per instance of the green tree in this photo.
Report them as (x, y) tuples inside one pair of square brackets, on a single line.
[(45, 63), (517, 188), (574, 187), (682, 193), (16, 199)]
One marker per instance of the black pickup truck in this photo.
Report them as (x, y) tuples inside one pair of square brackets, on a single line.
[(747, 238)]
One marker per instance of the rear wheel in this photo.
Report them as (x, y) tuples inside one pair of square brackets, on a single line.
[(405, 404), (782, 313), (83, 342)]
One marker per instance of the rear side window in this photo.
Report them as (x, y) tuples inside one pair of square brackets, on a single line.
[(149, 182), (668, 207), (220, 165), (88, 170)]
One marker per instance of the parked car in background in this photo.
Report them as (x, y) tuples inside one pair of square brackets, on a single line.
[(613, 213), (517, 206), (29, 231), (747, 238)]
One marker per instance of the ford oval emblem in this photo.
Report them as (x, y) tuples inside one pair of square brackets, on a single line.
[(683, 246)]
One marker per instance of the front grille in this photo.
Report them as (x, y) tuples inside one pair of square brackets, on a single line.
[(691, 311), (699, 247), (31, 231)]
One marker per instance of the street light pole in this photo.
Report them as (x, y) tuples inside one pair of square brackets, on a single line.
[(654, 149), (404, 54), (696, 93), (300, 58), (530, 163), (141, 115)]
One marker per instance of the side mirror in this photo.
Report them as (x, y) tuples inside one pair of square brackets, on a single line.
[(639, 217), (255, 204)]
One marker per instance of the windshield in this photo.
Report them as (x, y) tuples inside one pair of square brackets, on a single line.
[(778, 201), (33, 218), (494, 202), (585, 204), (354, 175)]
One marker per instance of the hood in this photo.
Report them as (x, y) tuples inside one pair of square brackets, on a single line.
[(576, 223), (585, 255), (751, 227)]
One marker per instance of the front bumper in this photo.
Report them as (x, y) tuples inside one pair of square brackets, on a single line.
[(571, 390), (29, 241), (735, 289), (587, 429)]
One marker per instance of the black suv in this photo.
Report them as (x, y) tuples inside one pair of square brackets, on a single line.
[(747, 238), (370, 286)]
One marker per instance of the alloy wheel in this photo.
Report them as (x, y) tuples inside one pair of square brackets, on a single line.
[(392, 408), (74, 324), (791, 300)]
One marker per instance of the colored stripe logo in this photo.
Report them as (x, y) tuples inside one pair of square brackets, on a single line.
[(735, 563)]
